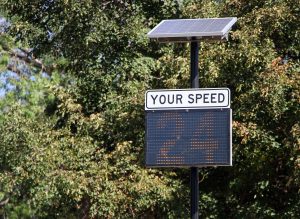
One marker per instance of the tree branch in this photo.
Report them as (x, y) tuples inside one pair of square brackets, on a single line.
[(25, 55), (4, 202)]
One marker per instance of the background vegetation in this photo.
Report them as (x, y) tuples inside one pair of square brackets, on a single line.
[(72, 120)]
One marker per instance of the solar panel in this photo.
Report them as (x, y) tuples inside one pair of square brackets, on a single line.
[(183, 30)]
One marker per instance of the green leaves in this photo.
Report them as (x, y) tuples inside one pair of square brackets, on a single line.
[(74, 145)]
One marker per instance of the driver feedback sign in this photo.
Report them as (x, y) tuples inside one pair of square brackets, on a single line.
[(188, 127)]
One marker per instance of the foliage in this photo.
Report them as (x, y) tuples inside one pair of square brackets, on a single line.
[(74, 146)]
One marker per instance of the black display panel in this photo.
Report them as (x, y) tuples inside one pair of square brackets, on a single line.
[(197, 137)]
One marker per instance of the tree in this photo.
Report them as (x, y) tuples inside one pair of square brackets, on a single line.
[(82, 156)]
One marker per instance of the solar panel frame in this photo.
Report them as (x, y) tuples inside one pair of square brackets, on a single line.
[(183, 36)]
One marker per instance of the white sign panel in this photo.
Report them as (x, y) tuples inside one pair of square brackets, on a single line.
[(187, 99)]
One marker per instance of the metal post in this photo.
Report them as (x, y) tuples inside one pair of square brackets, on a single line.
[(194, 170), (194, 193), (194, 64)]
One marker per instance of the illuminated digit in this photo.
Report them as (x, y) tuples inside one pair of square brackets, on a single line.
[(203, 139), (170, 124)]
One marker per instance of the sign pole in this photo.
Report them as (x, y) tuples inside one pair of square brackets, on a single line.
[(194, 170), (194, 64)]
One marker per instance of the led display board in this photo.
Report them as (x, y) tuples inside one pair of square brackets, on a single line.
[(188, 137), (197, 137)]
